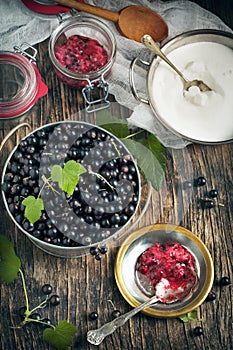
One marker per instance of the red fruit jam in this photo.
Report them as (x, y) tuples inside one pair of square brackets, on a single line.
[(82, 54), (170, 261)]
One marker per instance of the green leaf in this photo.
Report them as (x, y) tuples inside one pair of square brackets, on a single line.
[(158, 150), (190, 316), (56, 174), (9, 262), (118, 127), (34, 207), (68, 176), (151, 160), (61, 336)]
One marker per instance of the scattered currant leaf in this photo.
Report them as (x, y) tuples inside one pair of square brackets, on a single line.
[(68, 176), (190, 316), (60, 336), (9, 262), (118, 127), (149, 155), (148, 151), (157, 149), (34, 207)]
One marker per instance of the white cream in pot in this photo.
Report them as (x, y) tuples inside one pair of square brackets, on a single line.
[(203, 116)]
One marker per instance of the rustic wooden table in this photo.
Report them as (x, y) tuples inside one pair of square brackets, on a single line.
[(84, 284)]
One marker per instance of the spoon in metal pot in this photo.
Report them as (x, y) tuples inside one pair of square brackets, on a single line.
[(153, 46), (132, 21), (163, 293)]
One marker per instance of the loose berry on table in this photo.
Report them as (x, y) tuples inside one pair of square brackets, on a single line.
[(211, 296), (93, 316), (225, 281), (94, 250), (207, 203), (98, 257), (200, 181), (54, 300), (198, 331), (213, 193), (103, 250), (115, 313)]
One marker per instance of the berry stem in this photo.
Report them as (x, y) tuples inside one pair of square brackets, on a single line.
[(117, 150), (102, 178), (110, 301), (40, 322), (25, 290), (46, 182), (41, 305), (132, 135)]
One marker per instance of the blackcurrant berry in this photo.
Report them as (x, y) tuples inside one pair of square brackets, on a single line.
[(35, 316), (198, 331), (47, 289), (54, 300), (94, 250), (200, 181), (93, 315), (213, 193), (116, 313), (103, 250), (225, 281), (211, 296), (98, 257), (21, 312), (47, 323), (207, 203), (187, 184)]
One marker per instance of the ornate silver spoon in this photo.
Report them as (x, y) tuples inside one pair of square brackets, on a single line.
[(153, 46), (163, 293)]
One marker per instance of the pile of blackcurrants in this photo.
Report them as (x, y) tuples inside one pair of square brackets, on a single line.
[(104, 200)]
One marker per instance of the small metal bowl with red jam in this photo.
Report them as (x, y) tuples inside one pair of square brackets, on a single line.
[(170, 253), (82, 50)]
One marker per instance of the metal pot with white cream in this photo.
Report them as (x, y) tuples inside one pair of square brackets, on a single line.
[(202, 117)]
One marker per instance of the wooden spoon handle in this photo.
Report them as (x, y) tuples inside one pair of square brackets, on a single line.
[(97, 11)]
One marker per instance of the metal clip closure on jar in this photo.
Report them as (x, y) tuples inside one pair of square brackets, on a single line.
[(96, 96), (21, 84), (82, 50)]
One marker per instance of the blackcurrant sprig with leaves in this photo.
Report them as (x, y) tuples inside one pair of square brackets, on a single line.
[(59, 335)]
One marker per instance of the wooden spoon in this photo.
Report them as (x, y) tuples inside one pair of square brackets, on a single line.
[(132, 21)]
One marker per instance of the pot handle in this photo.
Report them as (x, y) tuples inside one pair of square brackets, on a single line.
[(12, 132), (132, 81)]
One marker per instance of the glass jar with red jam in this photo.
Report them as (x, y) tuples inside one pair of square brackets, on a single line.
[(20, 84), (82, 50)]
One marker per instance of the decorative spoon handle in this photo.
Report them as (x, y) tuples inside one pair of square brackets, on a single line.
[(153, 46), (96, 336)]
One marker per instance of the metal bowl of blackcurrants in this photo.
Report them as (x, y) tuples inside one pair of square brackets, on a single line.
[(71, 186)]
